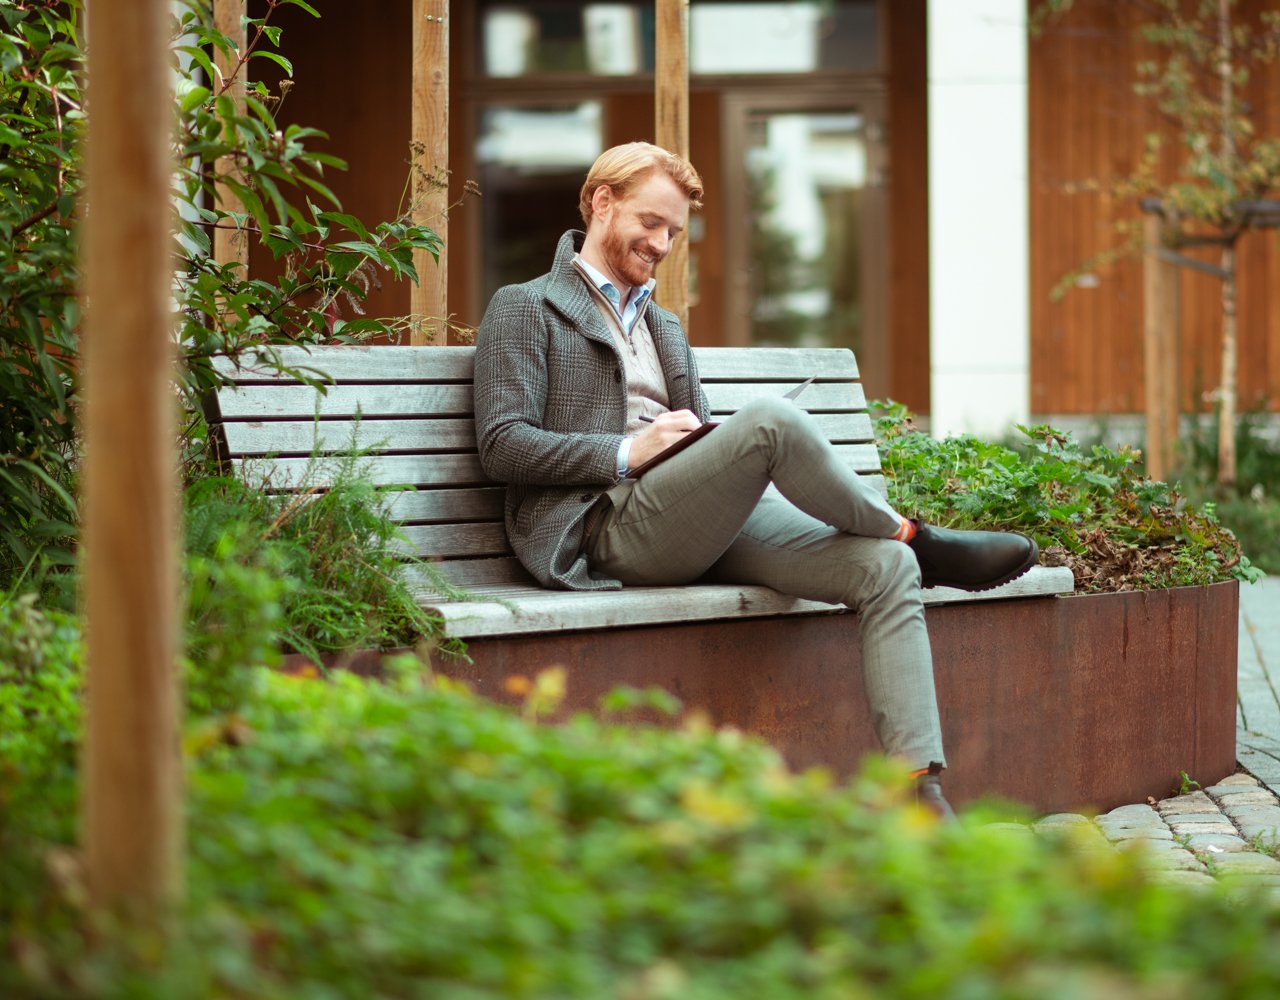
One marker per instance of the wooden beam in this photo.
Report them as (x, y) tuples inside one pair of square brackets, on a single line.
[(228, 17), (131, 797), (429, 299), (671, 129), (1161, 321)]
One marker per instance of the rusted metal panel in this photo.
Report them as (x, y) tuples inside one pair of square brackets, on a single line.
[(1090, 701)]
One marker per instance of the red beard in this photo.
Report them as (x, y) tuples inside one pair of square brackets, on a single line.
[(624, 264)]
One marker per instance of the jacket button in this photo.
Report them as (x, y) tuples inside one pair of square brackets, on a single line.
[(587, 497)]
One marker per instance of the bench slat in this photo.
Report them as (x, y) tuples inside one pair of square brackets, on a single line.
[(482, 503), (793, 364), (412, 364), (533, 609), (504, 571), (448, 434), (383, 363), (304, 402), (445, 470), (450, 541)]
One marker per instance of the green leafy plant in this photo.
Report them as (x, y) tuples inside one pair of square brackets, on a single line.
[(1093, 511), (40, 121), (359, 839), (328, 259), (327, 557), (1186, 784)]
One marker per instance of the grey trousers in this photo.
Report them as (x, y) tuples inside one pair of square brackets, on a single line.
[(820, 533)]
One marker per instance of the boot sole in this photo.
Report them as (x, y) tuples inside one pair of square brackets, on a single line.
[(977, 588)]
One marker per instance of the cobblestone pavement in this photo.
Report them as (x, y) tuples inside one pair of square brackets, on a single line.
[(1227, 830), (1258, 685)]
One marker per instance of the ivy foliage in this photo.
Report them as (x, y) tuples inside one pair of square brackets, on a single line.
[(1093, 510), (226, 135)]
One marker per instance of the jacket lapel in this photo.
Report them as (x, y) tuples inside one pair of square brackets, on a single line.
[(567, 293)]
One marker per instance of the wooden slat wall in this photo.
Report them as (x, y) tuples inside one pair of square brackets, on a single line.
[(1085, 122)]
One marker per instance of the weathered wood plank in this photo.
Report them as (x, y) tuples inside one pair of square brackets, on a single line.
[(726, 397), (439, 470), (410, 364), (384, 363), (506, 609), (469, 574), (477, 504), (388, 470), (304, 402), (450, 541), (258, 401), (792, 364), (304, 437)]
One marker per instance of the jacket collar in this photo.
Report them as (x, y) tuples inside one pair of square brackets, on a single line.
[(567, 292)]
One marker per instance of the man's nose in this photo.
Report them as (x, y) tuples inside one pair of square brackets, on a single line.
[(659, 243)]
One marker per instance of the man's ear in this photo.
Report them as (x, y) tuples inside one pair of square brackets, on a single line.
[(602, 201)]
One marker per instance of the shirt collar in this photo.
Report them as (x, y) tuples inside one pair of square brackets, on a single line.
[(639, 295)]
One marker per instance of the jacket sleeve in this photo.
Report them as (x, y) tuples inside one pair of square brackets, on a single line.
[(513, 394)]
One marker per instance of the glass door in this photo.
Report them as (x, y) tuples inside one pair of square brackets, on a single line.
[(805, 239)]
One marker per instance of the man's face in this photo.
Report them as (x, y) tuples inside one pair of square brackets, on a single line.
[(638, 230)]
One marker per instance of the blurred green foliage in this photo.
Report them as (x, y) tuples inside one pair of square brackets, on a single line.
[(350, 838)]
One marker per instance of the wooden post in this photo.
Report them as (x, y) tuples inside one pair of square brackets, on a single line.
[(671, 128), (228, 17), (1161, 321), (131, 798), (429, 299)]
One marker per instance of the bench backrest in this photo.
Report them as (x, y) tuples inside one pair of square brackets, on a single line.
[(411, 407)]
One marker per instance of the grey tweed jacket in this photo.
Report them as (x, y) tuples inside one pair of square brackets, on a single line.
[(551, 411)]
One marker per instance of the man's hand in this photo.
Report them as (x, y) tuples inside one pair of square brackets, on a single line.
[(666, 430)]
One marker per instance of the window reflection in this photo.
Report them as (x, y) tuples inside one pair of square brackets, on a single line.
[(540, 37), (806, 175), (531, 161)]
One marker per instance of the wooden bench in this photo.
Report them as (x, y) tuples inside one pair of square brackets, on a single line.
[(415, 415), (1024, 677)]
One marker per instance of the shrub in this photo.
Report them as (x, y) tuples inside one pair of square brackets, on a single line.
[(1093, 511), (356, 839), (325, 560)]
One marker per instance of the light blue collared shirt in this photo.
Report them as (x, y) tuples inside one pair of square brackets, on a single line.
[(639, 295)]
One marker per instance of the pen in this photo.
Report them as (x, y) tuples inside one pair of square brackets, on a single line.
[(646, 419)]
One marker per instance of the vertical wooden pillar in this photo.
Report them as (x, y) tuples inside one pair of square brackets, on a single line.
[(228, 17), (131, 799), (1161, 321), (671, 130), (429, 299)]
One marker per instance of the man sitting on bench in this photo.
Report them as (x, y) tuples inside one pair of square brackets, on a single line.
[(580, 379)]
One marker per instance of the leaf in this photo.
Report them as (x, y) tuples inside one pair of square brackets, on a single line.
[(275, 57), (191, 95)]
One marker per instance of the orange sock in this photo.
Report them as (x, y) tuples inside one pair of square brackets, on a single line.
[(906, 530)]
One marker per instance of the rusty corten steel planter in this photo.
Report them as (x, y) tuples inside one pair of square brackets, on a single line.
[(1061, 703)]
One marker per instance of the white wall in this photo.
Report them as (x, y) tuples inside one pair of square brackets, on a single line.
[(979, 345)]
